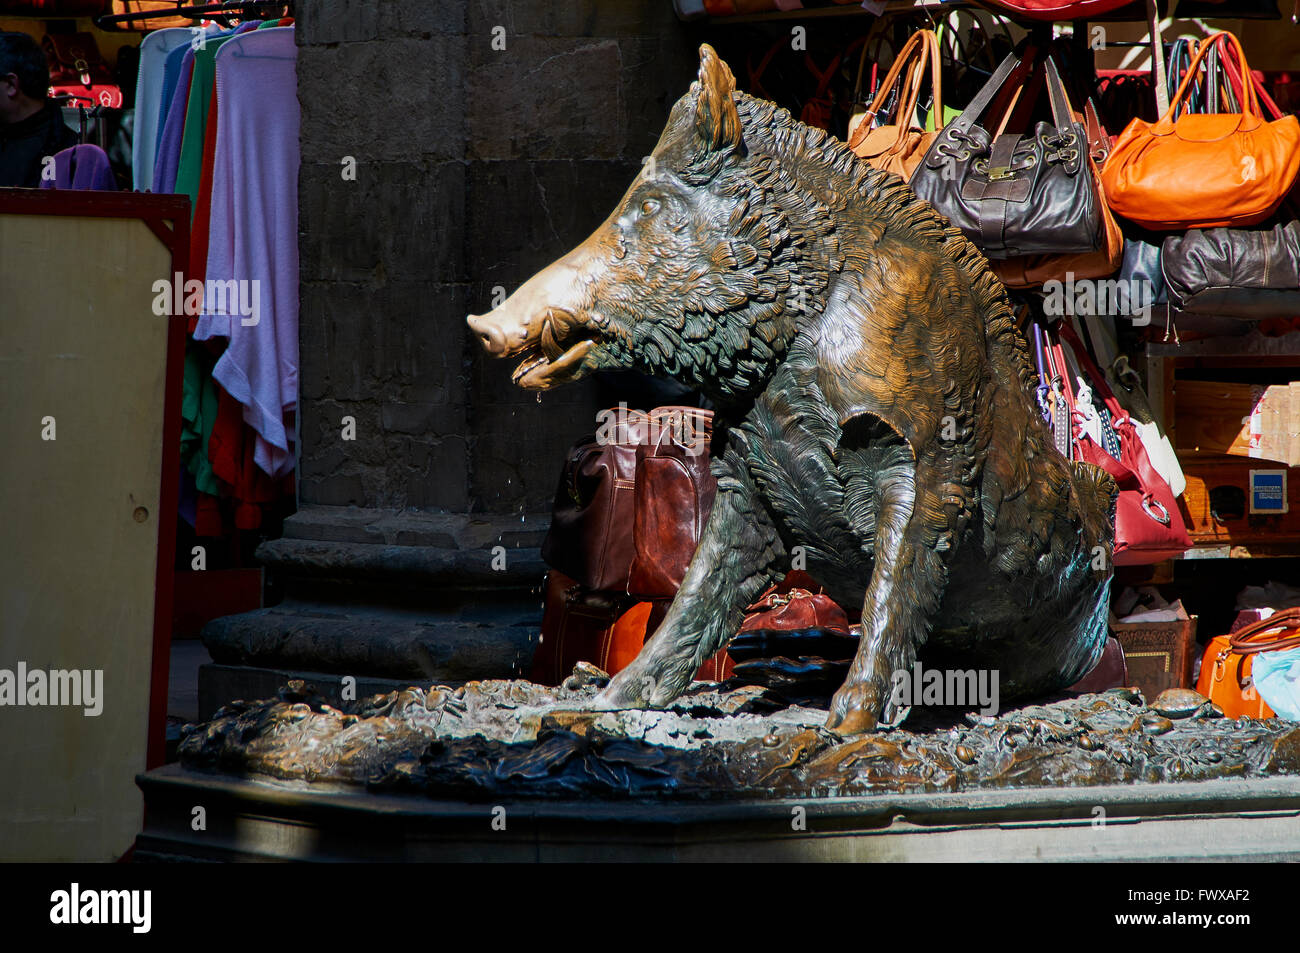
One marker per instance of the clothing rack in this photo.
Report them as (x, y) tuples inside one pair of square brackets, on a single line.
[(241, 9)]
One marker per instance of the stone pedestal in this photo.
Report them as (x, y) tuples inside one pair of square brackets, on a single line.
[(390, 599), (1226, 820)]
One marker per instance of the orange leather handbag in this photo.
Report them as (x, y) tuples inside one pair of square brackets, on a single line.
[(1225, 669), (1203, 170), (899, 148)]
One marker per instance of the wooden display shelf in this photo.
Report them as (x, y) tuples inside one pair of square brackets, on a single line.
[(1226, 505)]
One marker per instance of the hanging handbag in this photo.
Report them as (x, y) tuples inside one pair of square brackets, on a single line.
[(1203, 171), (1226, 668), (900, 146), (1252, 274), (1012, 194), (1149, 527), (78, 70), (869, 60), (1032, 271), (1053, 11), (673, 495)]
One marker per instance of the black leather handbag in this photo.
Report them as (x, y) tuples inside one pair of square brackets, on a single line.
[(1015, 194), (1247, 273)]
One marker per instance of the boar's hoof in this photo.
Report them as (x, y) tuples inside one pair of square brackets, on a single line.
[(620, 693), (853, 709)]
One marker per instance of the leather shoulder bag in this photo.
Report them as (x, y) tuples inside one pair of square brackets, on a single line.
[(1015, 194), (1203, 170)]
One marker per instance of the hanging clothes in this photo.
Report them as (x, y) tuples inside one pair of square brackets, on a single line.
[(149, 83), (171, 79), (169, 145), (253, 235), (82, 167), (189, 161)]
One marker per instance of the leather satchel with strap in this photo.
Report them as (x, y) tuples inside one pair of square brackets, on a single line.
[(1032, 271)]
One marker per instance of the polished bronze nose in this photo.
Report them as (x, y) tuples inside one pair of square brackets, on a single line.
[(488, 333)]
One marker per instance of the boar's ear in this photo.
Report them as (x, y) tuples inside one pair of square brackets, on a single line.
[(717, 123)]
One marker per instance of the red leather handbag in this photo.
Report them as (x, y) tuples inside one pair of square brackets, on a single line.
[(792, 610), (1149, 526), (77, 69)]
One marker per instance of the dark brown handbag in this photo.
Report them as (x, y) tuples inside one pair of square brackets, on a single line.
[(590, 539), (672, 499), (1015, 194)]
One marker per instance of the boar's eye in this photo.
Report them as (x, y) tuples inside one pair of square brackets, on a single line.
[(649, 207)]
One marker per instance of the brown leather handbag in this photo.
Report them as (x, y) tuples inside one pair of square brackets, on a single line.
[(673, 495), (900, 147), (601, 628), (1203, 170), (1225, 668), (590, 539)]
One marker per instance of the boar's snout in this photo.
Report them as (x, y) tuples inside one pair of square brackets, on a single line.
[(545, 322), (490, 334)]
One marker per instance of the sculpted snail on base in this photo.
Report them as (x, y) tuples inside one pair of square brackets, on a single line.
[(874, 396)]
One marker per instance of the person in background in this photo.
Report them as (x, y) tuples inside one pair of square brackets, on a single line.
[(31, 125)]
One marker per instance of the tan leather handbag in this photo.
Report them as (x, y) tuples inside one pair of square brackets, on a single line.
[(900, 147), (1203, 170)]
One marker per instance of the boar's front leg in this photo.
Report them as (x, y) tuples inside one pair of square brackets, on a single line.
[(906, 585), (736, 560)]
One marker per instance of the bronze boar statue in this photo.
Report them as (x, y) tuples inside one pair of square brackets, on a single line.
[(875, 406)]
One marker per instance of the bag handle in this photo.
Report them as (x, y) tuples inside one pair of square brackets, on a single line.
[(1247, 641), (913, 58), (1236, 77), (1249, 105), (878, 35), (1099, 383), (1156, 33), (984, 98)]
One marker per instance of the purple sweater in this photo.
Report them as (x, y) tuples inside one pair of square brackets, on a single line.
[(253, 236)]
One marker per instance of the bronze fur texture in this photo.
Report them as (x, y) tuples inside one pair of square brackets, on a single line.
[(875, 407)]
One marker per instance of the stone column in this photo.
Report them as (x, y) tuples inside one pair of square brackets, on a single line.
[(449, 150)]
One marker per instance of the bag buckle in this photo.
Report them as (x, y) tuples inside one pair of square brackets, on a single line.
[(999, 173)]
